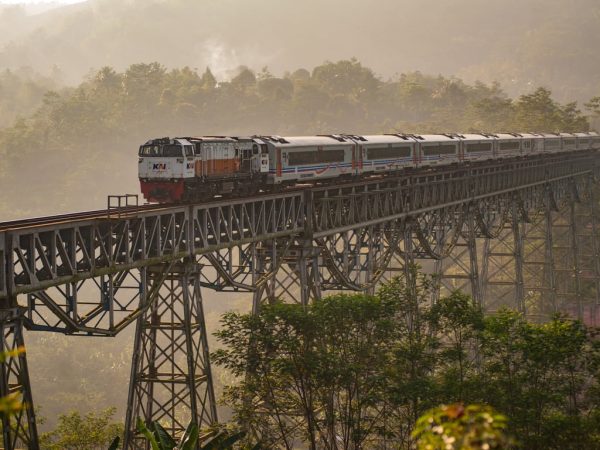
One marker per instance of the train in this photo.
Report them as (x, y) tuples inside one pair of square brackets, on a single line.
[(185, 169)]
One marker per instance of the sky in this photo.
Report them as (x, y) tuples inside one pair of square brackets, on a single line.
[(34, 2)]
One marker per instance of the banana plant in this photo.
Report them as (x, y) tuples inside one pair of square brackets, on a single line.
[(160, 439)]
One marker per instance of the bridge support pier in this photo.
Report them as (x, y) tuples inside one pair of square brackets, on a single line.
[(170, 375), (19, 430)]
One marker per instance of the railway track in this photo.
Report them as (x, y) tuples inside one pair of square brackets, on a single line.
[(125, 211)]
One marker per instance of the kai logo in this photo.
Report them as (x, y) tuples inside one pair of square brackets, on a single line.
[(159, 166), (190, 165)]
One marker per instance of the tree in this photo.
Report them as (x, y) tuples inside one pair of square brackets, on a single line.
[(456, 427), (208, 80), (540, 376), (89, 432), (411, 387), (312, 373), (459, 322)]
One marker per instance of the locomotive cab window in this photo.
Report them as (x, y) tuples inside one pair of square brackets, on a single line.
[(161, 150)]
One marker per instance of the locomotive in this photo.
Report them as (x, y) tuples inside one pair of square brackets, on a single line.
[(195, 168)]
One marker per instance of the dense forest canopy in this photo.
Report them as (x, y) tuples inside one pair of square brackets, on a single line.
[(81, 134), (520, 43)]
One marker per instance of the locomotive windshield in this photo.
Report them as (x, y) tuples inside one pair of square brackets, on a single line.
[(161, 150)]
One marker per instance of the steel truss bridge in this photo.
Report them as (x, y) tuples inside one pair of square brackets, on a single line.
[(521, 233)]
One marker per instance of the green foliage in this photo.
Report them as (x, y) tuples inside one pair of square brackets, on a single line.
[(325, 362), (88, 432), (357, 370), (454, 427), (159, 438), (11, 404)]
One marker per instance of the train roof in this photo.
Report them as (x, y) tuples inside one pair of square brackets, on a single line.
[(299, 141), (167, 140), (211, 139), (388, 139), (478, 137), (531, 135), (509, 135), (438, 137)]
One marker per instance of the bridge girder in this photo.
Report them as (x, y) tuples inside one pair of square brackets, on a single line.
[(462, 224)]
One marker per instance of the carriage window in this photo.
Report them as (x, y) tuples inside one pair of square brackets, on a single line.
[(264, 149), (510, 145), (584, 142), (314, 157), (569, 141), (552, 143), (444, 149), (389, 152), (480, 147), (527, 144), (189, 150), (255, 149)]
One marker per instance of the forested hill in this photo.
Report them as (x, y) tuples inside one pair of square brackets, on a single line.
[(81, 143), (520, 43)]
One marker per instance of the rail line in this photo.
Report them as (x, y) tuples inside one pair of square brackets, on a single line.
[(129, 211)]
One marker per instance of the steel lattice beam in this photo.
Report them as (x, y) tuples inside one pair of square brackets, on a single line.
[(481, 228), (171, 379)]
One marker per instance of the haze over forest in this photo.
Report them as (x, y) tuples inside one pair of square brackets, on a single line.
[(521, 44), (81, 86)]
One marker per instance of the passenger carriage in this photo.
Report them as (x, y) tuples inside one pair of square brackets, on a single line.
[(294, 159), (509, 145), (438, 149), (387, 152), (532, 143), (552, 143), (569, 141), (478, 147), (586, 141)]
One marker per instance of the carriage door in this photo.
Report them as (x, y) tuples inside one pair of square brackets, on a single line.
[(207, 159), (246, 159)]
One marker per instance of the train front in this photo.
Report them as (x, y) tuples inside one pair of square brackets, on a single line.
[(164, 167)]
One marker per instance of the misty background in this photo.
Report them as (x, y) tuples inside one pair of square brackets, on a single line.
[(521, 44), (83, 85)]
